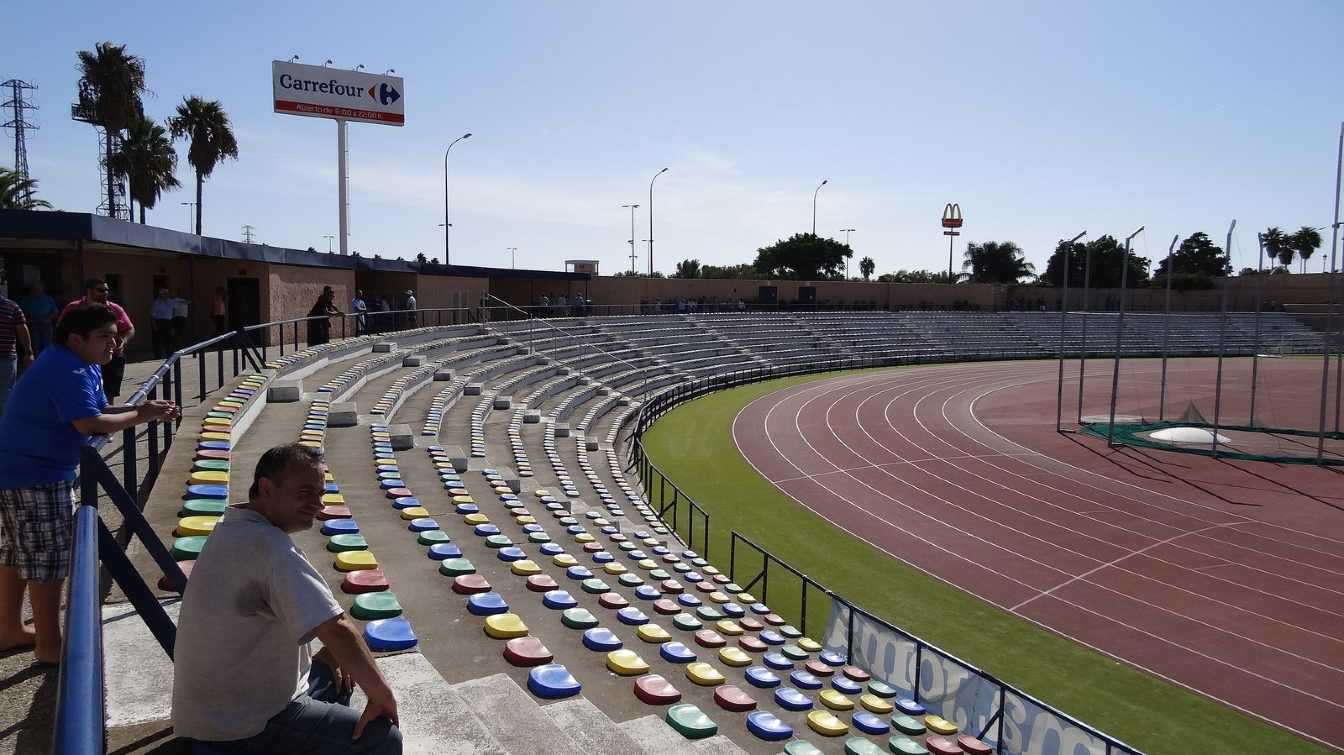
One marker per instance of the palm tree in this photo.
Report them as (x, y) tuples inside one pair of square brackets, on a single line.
[(147, 157), (996, 262), (866, 267), (212, 140), (16, 192), (687, 269), (110, 85), (1305, 242), (1277, 246)]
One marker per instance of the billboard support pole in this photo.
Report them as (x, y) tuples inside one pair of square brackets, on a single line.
[(343, 180)]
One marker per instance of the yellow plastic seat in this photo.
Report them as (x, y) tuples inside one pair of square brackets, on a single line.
[(652, 633), (826, 724), (333, 499), (526, 519), (505, 626), (414, 512), (564, 560), (584, 537), (214, 435), (209, 477), (614, 568), (355, 560), (876, 704), (835, 701), (939, 725), (463, 499), (728, 627), (542, 492), (704, 674), (309, 443), (718, 597), (809, 645), (626, 663), (735, 657), (195, 525), (476, 518), (525, 567), (220, 421), (646, 564)]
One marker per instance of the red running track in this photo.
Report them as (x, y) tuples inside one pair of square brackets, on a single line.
[(1226, 578)]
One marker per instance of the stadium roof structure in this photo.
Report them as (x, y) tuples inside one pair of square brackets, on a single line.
[(35, 229)]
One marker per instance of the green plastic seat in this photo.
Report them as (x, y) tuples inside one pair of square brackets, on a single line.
[(801, 747), (347, 542), (188, 548), (902, 745), (375, 605), (432, 537), (456, 567), (578, 618), (793, 652), (203, 507), (687, 622), (498, 541), (215, 465), (882, 689), (690, 721), (862, 746), (908, 725)]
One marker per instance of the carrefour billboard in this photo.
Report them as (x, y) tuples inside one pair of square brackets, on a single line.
[(321, 92)]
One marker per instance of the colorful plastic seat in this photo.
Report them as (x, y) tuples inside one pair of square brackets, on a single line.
[(909, 707), (690, 721), (442, 551), (826, 724), (734, 698), (777, 661), (339, 543), (906, 746), (766, 725), (551, 681), (207, 491), (527, 651), (972, 746), (470, 584), (389, 635), (613, 601), (188, 548), (578, 618), (735, 657), (356, 560), (541, 583), (487, 604), (845, 686), (432, 537), (602, 640), (704, 674), (940, 745), (375, 605), (364, 581), (204, 506), (789, 698), (687, 622), (876, 704), (454, 567), (804, 680), (655, 690), (195, 525), (559, 600), (708, 638), (861, 746), (652, 633), (882, 689), (505, 626), (632, 616), (908, 725), (869, 723), (626, 663), (939, 725), (751, 644), (676, 652), (759, 676)]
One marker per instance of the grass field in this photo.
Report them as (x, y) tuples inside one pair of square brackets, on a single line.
[(693, 445)]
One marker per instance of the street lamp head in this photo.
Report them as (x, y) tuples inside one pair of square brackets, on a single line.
[(327, 63), (664, 170), (467, 135), (825, 181), (294, 59), (359, 67)]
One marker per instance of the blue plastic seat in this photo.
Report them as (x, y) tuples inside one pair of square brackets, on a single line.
[(676, 652), (559, 600), (441, 551), (339, 527), (388, 635), (487, 604), (759, 676), (789, 698), (601, 639), (551, 681), (767, 726)]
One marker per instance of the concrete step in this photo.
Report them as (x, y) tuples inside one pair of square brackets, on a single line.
[(591, 728), (514, 718), (655, 737), (435, 717)]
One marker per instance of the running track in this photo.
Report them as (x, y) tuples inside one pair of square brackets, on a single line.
[(1226, 578)]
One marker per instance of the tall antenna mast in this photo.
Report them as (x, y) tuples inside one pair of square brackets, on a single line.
[(18, 103)]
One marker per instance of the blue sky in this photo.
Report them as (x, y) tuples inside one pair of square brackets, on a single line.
[(1040, 119)]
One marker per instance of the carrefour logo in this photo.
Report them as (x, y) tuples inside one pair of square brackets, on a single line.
[(383, 94)]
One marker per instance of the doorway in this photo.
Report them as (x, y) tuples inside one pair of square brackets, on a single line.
[(244, 302)]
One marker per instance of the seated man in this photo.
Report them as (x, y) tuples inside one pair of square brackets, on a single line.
[(245, 679)]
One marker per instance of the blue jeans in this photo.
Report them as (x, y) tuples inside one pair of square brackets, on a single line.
[(9, 367), (318, 723)]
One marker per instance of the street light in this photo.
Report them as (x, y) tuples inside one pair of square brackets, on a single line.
[(846, 231), (512, 259), (190, 213), (632, 208), (328, 237), (650, 239), (814, 204), (446, 225)]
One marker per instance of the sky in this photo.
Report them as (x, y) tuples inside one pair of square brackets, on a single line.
[(1039, 119)]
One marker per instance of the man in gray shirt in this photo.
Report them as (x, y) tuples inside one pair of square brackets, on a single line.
[(244, 678)]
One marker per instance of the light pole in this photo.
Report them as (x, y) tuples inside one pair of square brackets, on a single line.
[(632, 208), (847, 231), (1063, 310), (190, 213), (329, 237), (651, 180), (446, 225), (512, 258), (824, 181)]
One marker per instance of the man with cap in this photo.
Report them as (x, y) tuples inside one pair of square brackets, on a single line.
[(161, 324)]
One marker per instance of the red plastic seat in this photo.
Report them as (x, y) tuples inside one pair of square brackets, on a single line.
[(732, 697), (186, 570), (940, 745), (655, 690), (666, 606), (364, 580), (541, 583), (817, 668), (334, 512), (527, 651), (470, 584), (751, 644), (708, 638), (974, 746), (856, 673), (612, 600)]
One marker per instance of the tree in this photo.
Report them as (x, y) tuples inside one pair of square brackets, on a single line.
[(16, 192), (110, 84), (1305, 242), (996, 262), (1277, 246), (687, 269), (804, 256), (915, 276), (1196, 262), (1108, 260), (866, 267), (739, 271), (147, 158), (421, 260), (207, 126)]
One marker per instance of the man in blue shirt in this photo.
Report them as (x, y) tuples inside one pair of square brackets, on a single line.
[(55, 407)]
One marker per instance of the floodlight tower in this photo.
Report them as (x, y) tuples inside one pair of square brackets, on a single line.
[(19, 103)]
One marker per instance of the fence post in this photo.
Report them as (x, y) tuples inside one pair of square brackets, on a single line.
[(803, 628), (130, 480), (849, 636), (732, 555), (219, 366), (919, 667), (152, 430)]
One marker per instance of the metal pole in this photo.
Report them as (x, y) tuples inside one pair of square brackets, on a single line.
[(951, 240), (1082, 348), (1259, 304), (1222, 340), (1063, 310), (632, 207), (651, 180), (814, 205), (447, 227), (341, 179), (1119, 338), (1166, 333), (1330, 311)]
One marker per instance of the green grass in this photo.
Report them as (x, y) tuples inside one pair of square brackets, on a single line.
[(693, 445)]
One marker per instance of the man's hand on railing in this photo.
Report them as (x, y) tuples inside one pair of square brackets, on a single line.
[(157, 409)]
